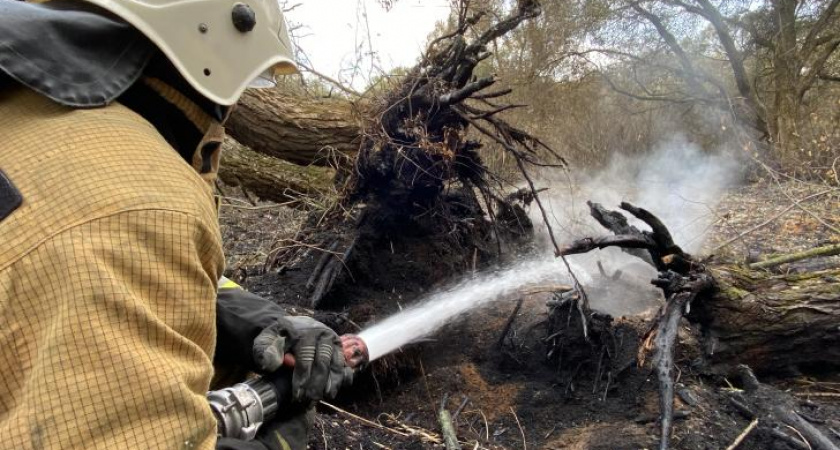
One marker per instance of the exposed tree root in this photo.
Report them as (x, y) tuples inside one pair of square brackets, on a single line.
[(416, 170)]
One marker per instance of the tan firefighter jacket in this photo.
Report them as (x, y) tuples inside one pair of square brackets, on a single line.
[(108, 271)]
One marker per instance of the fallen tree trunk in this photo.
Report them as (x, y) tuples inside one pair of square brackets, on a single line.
[(301, 131), (270, 178), (770, 322)]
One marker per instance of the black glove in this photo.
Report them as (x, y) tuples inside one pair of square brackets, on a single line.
[(289, 431), (319, 359)]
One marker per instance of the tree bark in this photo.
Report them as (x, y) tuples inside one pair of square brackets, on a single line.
[(270, 178), (770, 322), (786, 67), (301, 131)]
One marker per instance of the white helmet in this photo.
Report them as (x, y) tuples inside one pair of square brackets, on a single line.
[(220, 47)]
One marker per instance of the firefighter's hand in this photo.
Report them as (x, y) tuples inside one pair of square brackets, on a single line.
[(318, 357)]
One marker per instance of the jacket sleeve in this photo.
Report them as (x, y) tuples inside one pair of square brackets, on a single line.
[(240, 317)]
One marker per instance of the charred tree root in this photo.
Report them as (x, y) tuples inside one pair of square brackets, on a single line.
[(412, 152), (680, 278), (577, 338)]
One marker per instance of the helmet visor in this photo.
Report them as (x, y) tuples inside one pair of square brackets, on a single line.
[(268, 78), (264, 80)]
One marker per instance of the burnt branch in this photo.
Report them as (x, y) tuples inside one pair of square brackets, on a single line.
[(681, 279), (617, 223), (664, 241), (680, 292), (586, 245), (465, 92)]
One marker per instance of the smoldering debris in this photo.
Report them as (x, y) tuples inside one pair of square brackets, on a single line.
[(677, 181)]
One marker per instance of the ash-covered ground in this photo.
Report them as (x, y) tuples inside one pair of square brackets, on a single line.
[(508, 394)]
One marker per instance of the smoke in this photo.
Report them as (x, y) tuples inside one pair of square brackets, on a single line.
[(677, 181)]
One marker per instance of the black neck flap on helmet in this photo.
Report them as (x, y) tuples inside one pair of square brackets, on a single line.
[(70, 52)]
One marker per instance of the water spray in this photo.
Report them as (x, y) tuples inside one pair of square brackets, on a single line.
[(439, 308)]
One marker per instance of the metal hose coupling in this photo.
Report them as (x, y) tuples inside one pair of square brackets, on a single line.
[(241, 409)]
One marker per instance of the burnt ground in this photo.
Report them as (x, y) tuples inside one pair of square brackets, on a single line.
[(513, 396)]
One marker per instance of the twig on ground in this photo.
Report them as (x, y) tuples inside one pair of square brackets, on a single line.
[(426, 383), (743, 435), (818, 394), (553, 288), (447, 428), (486, 426), (828, 250), (788, 439), (460, 408), (415, 431), (501, 342), (805, 441), (363, 420), (259, 208), (778, 182), (521, 431)]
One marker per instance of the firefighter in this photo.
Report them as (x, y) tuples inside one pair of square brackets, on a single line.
[(111, 116)]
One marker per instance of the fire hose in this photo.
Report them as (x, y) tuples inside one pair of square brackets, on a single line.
[(241, 409)]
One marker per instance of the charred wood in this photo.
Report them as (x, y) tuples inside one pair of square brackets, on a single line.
[(776, 412), (770, 321), (681, 281)]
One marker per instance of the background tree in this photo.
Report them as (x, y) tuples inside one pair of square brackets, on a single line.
[(757, 62)]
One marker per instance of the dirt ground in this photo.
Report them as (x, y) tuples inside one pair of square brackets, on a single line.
[(754, 208), (510, 396)]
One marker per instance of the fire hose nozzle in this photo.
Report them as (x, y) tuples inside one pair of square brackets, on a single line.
[(241, 409), (355, 351)]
